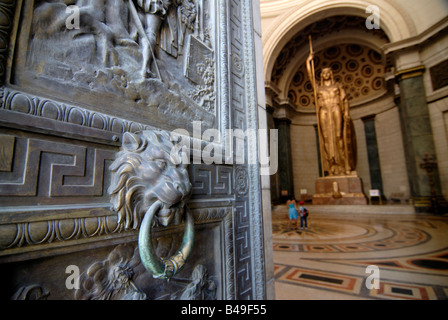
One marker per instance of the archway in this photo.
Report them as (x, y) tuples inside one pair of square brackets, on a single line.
[(342, 42), (394, 22)]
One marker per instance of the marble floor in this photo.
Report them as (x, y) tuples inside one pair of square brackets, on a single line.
[(330, 261)]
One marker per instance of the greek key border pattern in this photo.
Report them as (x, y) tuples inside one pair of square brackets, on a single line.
[(249, 244), (256, 216)]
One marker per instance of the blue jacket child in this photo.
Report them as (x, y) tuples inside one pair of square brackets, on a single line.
[(303, 215)]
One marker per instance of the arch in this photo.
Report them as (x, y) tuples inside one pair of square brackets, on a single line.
[(342, 38), (394, 22)]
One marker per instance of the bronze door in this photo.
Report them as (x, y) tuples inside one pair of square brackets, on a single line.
[(92, 96)]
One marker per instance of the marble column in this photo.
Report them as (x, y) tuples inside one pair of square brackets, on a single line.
[(376, 180), (273, 178), (417, 135), (319, 161), (285, 174)]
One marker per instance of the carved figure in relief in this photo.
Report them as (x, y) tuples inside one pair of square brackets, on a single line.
[(204, 93), (112, 279), (120, 46), (119, 277), (150, 181), (336, 134), (149, 17), (104, 19), (31, 292), (130, 24), (186, 13), (200, 287), (165, 22)]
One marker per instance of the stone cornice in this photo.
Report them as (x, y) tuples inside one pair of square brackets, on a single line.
[(419, 39)]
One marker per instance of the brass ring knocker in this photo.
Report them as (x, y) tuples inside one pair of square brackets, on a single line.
[(164, 268)]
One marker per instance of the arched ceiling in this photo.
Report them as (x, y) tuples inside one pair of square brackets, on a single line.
[(284, 19), (341, 42), (321, 29), (358, 68)]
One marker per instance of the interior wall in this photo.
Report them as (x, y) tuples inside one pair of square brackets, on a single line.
[(362, 167), (391, 153), (432, 54), (438, 112), (305, 165)]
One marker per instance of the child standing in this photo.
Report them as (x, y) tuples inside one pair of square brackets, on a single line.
[(303, 215)]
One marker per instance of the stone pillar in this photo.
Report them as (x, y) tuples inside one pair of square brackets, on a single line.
[(372, 154), (417, 135), (285, 175), (273, 178)]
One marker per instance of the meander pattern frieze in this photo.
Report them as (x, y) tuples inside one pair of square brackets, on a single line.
[(212, 181), (254, 181), (243, 102), (51, 169), (39, 171)]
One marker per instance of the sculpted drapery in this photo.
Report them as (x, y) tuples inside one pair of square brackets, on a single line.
[(336, 133)]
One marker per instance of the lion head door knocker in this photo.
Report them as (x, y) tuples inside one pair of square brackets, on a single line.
[(150, 184)]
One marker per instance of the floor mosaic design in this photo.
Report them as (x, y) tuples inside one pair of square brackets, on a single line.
[(329, 260)]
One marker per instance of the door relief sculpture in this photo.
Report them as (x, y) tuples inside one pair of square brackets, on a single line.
[(134, 49), (91, 93)]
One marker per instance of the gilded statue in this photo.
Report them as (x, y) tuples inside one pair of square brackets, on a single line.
[(336, 132)]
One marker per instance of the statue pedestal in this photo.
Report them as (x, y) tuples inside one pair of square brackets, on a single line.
[(336, 190)]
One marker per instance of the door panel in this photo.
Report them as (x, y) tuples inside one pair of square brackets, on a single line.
[(69, 96)]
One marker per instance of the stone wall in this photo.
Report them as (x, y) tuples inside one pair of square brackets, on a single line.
[(438, 112), (391, 152), (304, 158), (433, 55)]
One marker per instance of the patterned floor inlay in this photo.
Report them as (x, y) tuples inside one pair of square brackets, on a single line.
[(331, 257), (322, 279), (360, 237), (390, 290), (319, 248), (286, 247)]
